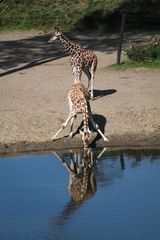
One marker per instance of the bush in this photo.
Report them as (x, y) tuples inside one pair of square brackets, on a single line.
[(136, 53), (153, 52), (144, 53)]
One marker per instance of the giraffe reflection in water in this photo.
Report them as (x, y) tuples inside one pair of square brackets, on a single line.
[(82, 184), (82, 177), (90, 169)]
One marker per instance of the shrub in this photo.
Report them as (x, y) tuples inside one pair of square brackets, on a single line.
[(136, 53), (153, 52), (144, 53)]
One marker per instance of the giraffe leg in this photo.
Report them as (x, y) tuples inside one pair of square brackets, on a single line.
[(71, 129), (101, 153), (64, 162), (92, 83), (93, 70), (97, 128), (77, 73), (63, 126), (88, 74)]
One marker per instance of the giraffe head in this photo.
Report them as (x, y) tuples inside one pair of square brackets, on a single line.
[(55, 35)]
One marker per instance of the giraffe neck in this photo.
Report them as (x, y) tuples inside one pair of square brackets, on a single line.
[(85, 179), (85, 117), (71, 47)]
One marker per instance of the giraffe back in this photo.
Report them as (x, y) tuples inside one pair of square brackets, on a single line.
[(79, 99)]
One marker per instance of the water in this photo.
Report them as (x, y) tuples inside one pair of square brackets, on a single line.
[(118, 196)]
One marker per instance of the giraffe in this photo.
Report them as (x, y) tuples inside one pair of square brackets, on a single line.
[(79, 103), (82, 179), (82, 174), (81, 59)]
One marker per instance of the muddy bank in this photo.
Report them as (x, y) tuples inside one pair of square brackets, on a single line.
[(125, 142)]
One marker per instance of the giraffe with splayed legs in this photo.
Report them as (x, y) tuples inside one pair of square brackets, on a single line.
[(79, 103), (81, 59)]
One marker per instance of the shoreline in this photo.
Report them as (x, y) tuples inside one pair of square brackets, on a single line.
[(117, 143)]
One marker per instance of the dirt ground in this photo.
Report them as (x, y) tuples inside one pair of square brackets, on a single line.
[(35, 78)]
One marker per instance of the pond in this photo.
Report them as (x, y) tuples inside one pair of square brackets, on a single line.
[(80, 195)]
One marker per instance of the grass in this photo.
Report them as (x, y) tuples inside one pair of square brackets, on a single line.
[(129, 64), (44, 14), (70, 14)]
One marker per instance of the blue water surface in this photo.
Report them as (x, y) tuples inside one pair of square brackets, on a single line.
[(35, 203)]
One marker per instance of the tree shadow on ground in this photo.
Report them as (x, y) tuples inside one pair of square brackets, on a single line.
[(17, 55), (22, 54), (29, 65)]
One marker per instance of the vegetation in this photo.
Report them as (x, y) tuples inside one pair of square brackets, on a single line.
[(44, 14), (98, 14), (128, 64), (69, 14), (145, 53), (147, 56)]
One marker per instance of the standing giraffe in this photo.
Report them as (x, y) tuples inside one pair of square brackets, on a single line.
[(81, 59), (79, 103)]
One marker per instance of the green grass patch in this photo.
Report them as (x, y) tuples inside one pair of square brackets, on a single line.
[(129, 64)]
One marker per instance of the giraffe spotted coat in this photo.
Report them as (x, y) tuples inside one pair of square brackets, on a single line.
[(79, 103), (81, 59)]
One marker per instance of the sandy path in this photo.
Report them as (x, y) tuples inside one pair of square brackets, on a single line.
[(35, 79)]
